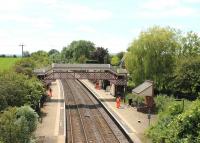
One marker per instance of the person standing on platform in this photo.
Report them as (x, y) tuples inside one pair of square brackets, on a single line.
[(118, 102), (50, 92)]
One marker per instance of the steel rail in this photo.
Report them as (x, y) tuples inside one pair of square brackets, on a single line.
[(83, 89), (70, 120), (99, 131), (80, 116)]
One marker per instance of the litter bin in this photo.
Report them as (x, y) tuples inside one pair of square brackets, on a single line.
[(130, 101)]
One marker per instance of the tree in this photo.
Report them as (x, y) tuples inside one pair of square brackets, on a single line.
[(18, 90), (176, 125), (152, 56), (120, 55), (187, 77), (17, 124), (76, 50), (115, 61), (40, 58), (99, 54), (26, 54), (190, 45), (55, 58), (25, 66), (53, 51)]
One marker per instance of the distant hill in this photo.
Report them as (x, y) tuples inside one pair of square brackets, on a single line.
[(6, 63)]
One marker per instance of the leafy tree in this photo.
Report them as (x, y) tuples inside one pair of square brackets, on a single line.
[(187, 77), (99, 54), (120, 55), (53, 51), (3, 102), (40, 58), (55, 58), (77, 49), (25, 66), (177, 126), (18, 90), (190, 45), (151, 56), (26, 54), (115, 60), (82, 59), (17, 125), (8, 128)]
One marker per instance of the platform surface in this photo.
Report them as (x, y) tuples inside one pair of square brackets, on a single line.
[(135, 123), (51, 127)]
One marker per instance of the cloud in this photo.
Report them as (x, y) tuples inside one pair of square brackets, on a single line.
[(34, 22), (80, 12), (160, 4), (11, 5), (160, 9), (86, 29)]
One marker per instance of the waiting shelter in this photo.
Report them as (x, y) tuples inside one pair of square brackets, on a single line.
[(145, 89)]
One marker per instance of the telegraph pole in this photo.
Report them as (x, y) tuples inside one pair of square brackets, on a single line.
[(22, 45)]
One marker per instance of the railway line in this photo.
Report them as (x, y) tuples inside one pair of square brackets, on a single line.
[(87, 121)]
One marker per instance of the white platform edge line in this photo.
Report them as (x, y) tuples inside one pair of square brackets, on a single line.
[(56, 129), (61, 86)]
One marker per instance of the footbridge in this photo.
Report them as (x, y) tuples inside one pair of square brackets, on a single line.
[(83, 71)]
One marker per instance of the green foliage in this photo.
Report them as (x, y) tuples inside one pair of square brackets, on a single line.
[(55, 58), (77, 49), (137, 100), (151, 56), (187, 76), (120, 55), (186, 126), (190, 45), (162, 102), (160, 130), (176, 125), (17, 125), (40, 58), (115, 60), (30, 116), (53, 51), (18, 89), (100, 55), (25, 66), (82, 59)]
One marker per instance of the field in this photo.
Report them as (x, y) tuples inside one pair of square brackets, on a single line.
[(6, 63)]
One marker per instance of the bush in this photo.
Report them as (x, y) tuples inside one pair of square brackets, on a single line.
[(17, 124), (175, 124), (18, 90), (187, 78), (137, 100), (160, 130), (162, 102)]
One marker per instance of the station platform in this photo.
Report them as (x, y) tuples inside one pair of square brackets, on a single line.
[(134, 123), (51, 128)]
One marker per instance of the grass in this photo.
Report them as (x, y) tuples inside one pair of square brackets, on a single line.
[(6, 63)]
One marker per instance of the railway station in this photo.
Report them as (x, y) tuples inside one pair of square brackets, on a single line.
[(89, 93)]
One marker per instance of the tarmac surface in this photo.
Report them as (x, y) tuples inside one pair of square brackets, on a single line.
[(51, 128)]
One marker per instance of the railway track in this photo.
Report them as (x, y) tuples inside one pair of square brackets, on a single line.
[(87, 122)]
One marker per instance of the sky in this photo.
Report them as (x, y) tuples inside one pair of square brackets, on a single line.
[(112, 24)]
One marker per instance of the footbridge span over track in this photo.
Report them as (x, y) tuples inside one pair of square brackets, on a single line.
[(117, 77)]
